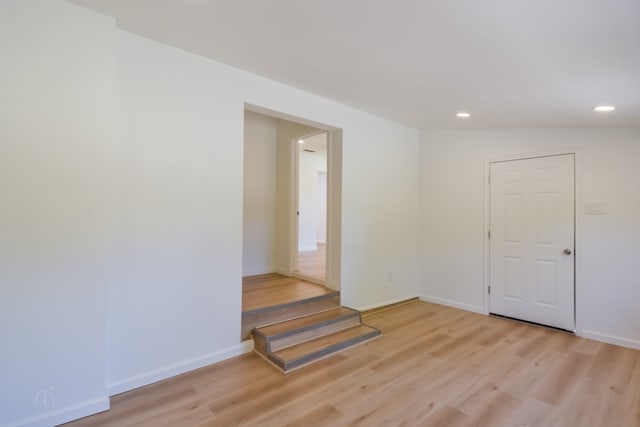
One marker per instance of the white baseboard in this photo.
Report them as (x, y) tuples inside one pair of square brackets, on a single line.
[(65, 414), (454, 304), (333, 286), (609, 339), (178, 368), (282, 271), (382, 304), (597, 336), (258, 271)]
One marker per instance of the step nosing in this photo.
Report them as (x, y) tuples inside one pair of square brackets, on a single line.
[(276, 360), (309, 357), (306, 328), (278, 307), (293, 317)]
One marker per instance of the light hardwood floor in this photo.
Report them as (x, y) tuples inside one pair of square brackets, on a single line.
[(434, 366), (313, 263), (267, 290)]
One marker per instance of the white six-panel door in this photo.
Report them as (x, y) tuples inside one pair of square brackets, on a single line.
[(531, 273)]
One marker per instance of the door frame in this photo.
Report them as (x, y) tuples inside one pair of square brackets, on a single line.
[(334, 197), (295, 192), (577, 202), (333, 266)]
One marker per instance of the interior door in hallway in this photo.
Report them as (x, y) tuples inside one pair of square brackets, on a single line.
[(532, 240)]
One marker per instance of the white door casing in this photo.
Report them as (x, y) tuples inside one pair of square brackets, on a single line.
[(531, 245)]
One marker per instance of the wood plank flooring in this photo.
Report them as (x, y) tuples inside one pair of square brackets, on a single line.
[(435, 366), (268, 290), (313, 263)]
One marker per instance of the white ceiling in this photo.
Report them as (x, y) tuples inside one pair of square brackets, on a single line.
[(510, 63)]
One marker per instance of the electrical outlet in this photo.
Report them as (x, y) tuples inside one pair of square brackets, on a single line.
[(389, 277), (595, 209)]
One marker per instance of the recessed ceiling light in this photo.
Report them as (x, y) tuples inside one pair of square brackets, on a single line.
[(300, 141), (463, 115), (604, 108)]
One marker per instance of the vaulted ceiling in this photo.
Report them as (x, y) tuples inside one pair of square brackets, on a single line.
[(509, 63)]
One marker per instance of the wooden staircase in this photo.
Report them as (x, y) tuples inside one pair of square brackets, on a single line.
[(295, 334)]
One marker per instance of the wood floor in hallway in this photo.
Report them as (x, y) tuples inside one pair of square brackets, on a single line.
[(313, 263), (268, 290), (434, 366)]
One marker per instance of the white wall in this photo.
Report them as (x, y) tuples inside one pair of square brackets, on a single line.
[(452, 218), (174, 301), (259, 200), (321, 206), (380, 214), (56, 127), (133, 217), (334, 210)]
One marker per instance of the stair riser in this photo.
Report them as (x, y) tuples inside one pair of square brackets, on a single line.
[(300, 324), (260, 344), (309, 334), (287, 313), (288, 366)]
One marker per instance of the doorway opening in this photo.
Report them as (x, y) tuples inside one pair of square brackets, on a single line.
[(311, 202), (291, 212), (531, 239)]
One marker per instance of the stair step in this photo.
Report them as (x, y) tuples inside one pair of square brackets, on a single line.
[(291, 304), (299, 324), (301, 354), (286, 334), (284, 312)]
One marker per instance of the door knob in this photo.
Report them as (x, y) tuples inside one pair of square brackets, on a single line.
[(567, 251)]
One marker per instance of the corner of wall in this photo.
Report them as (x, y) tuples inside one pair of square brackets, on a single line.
[(609, 339), (454, 304)]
